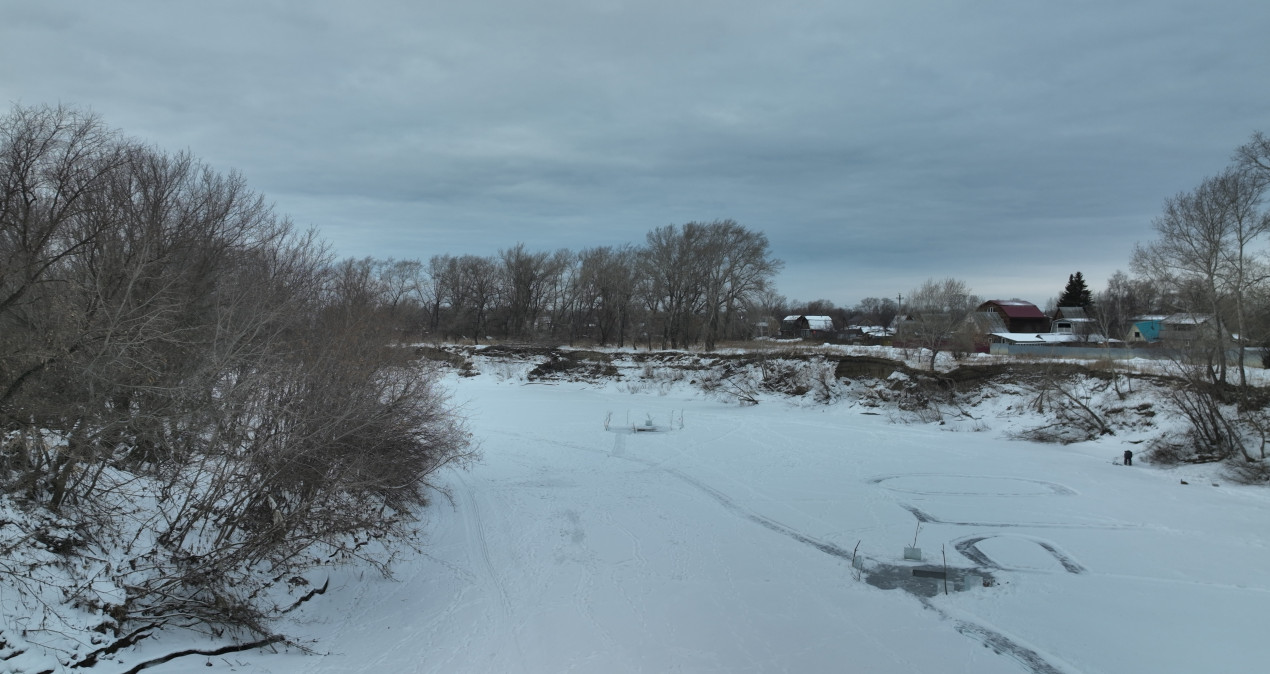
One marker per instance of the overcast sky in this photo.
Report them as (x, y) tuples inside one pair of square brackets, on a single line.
[(1008, 143)]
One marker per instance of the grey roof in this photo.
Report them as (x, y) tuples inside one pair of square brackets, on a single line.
[(1187, 319), (813, 322), (988, 322), (1073, 313)]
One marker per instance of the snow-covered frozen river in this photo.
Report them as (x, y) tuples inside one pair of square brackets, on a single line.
[(721, 541)]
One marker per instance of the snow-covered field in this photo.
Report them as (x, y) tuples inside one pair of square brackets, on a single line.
[(722, 541)]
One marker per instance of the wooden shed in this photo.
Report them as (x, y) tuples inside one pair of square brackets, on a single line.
[(808, 327)]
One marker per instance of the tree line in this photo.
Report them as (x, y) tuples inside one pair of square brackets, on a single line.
[(700, 283)]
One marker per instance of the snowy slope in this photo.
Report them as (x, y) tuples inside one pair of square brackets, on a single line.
[(721, 542)]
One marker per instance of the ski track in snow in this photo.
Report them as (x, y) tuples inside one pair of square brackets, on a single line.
[(475, 525)]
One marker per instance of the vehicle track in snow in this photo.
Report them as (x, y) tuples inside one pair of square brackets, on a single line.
[(969, 548), (1000, 643), (1049, 488), (927, 518)]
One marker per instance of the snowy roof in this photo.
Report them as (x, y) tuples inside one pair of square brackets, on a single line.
[(813, 322), (1017, 308), (1066, 319), (1187, 319), (1046, 338)]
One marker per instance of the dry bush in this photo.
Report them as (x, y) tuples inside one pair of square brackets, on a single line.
[(1070, 401), (1249, 472), (732, 382), (194, 383)]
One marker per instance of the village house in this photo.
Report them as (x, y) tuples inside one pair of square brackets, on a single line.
[(1017, 315), (1186, 328), (1074, 321), (807, 327), (1146, 328), (867, 334), (1007, 323), (1180, 328)]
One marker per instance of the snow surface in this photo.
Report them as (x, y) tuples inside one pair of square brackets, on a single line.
[(721, 541)]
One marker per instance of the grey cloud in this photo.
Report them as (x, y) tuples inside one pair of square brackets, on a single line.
[(876, 144)]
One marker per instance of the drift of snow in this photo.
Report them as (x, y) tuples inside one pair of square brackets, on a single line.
[(722, 542)]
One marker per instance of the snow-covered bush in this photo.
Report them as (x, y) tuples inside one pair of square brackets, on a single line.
[(732, 383)]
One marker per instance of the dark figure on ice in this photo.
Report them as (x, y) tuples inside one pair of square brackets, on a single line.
[(1128, 458)]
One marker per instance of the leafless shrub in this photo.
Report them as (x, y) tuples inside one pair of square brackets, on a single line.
[(1249, 472), (1213, 433), (732, 383), (824, 382), (782, 376), (1069, 401), (165, 338)]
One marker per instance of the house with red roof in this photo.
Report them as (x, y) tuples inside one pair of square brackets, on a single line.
[(1003, 324)]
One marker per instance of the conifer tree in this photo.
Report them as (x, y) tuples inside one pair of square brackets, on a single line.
[(1076, 294)]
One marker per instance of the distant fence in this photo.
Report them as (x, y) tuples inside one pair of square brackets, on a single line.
[(1252, 356)]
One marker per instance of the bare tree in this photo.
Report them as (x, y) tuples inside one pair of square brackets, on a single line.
[(1252, 162), (1203, 254), (52, 160), (448, 294), (1253, 158), (876, 311), (526, 280), (478, 279), (937, 312), (737, 267), (770, 307), (403, 288), (674, 287), (1123, 299), (1245, 267), (607, 280), (700, 277)]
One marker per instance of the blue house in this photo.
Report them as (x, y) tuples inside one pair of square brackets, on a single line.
[(1147, 329)]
